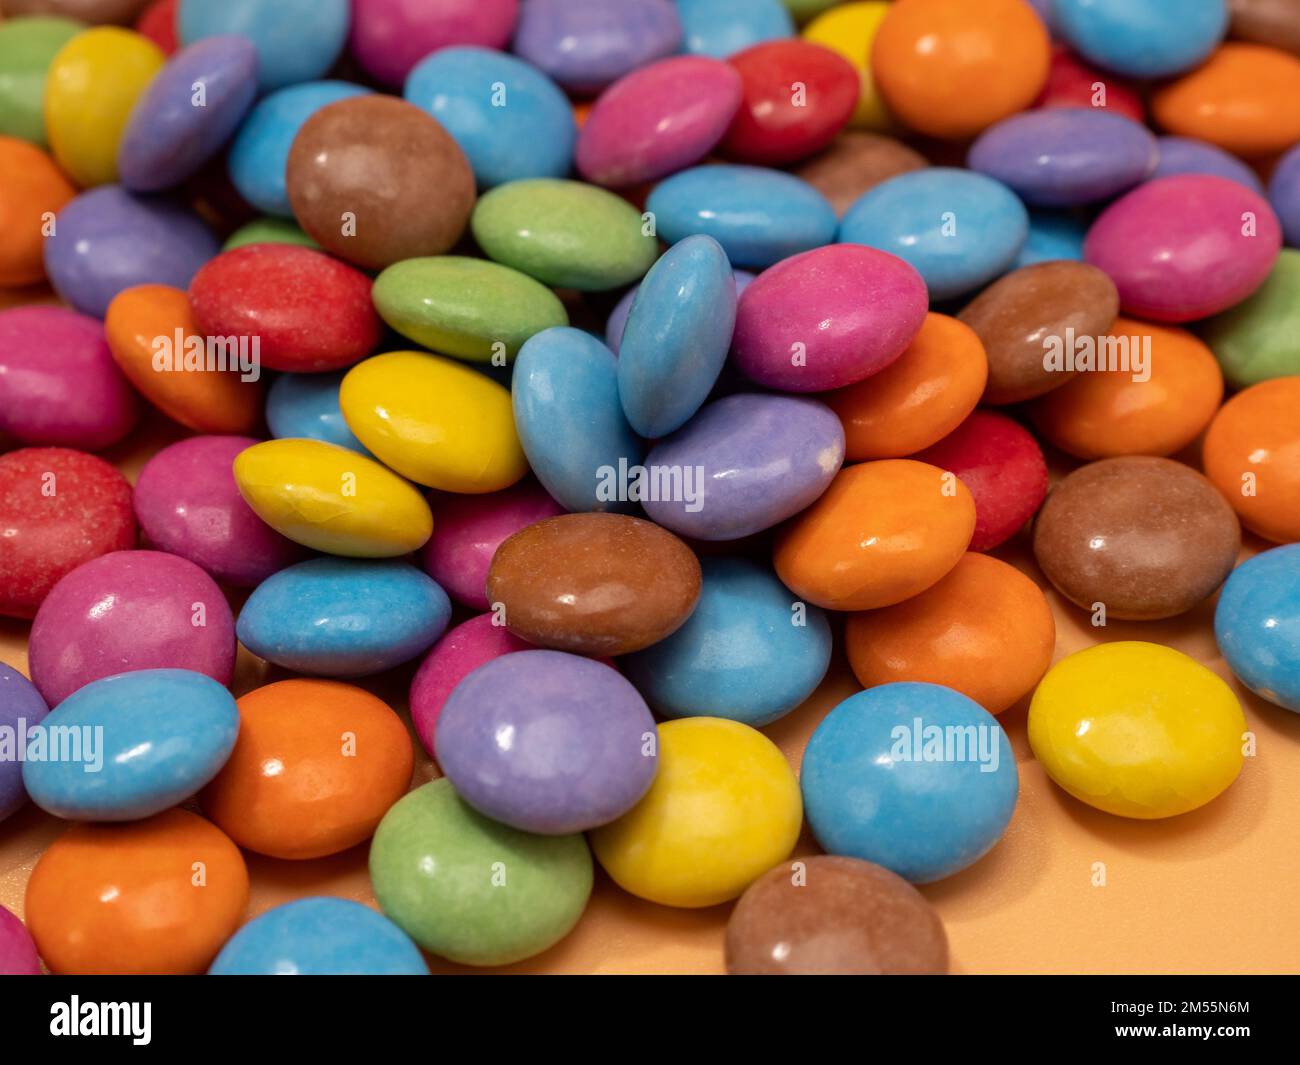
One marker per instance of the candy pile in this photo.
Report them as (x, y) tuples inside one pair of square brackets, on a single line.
[(582, 361)]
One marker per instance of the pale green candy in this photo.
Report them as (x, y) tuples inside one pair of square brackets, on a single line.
[(268, 230), (1260, 339), (465, 307), (803, 10), (473, 890), (27, 45), (565, 233)]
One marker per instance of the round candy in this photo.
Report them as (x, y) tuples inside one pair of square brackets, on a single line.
[(158, 22), (320, 937), (268, 231), (720, 28), (1185, 155), (600, 584), (1284, 193), (1140, 538), (21, 709), (18, 955), (883, 532), (749, 653), (1153, 39), (830, 916), (1272, 22), (316, 765), (617, 321), (1053, 235), (985, 630), (27, 46), (1137, 729), (389, 37), (307, 405), (153, 897), (31, 190), (1072, 82), (850, 29), (1257, 625), (959, 229), (915, 777), (1256, 340), (473, 890), (856, 162), (723, 809)]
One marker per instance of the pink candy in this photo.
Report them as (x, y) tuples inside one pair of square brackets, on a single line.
[(390, 36), (17, 951)]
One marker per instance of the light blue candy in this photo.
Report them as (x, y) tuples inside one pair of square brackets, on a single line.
[(1142, 38), (148, 740), (959, 229), (721, 28), (617, 320), (320, 937), (1257, 625), (569, 418), (306, 405), (260, 151), (510, 119), (750, 652), (877, 786), (343, 617), (1053, 235), (677, 336), (759, 216)]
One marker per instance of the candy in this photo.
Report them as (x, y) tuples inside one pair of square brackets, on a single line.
[(27, 47), (1137, 730), (748, 653), (1284, 193), (31, 190), (1137, 538), (1252, 456), (129, 899), (470, 889), (58, 509), (316, 766), (1052, 235), (188, 504), (856, 162), (390, 37), (435, 421), (677, 336), (343, 617), (1272, 22), (746, 462), (829, 916), (959, 229), (17, 951), (1257, 625), (1071, 82), (332, 499), (158, 22), (147, 758), (1185, 155), (720, 28), (914, 777), (510, 119), (985, 630), (268, 231), (759, 216), (21, 709), (594, 583), (723, 809), (1255, 341), (307, 405), (617, 321), (1150, 40), (883, 532), (850, 29), (827, 318), (319, 937)]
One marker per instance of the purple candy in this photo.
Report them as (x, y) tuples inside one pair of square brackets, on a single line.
[(1284, 192), (59, 385), (171, 134), (21, 707), (17, 950), (188, 504), (547, 742), (617, 320), (130, 610), (108, 239), (1183, 155)]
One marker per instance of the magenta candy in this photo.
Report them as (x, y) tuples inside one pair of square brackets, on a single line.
[(130, 610), (658, 120), (827, 318), (59, 385), (1185, 247), (390, 36), (17, 951), (187, 503)]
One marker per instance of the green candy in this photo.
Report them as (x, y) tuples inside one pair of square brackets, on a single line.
[(470, 889), (1260, 339), (27, 45), (565, 233), (465, 307), (268, 231), (803, 10)]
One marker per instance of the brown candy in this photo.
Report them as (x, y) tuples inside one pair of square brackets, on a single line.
[(1147, 538), (835, 917), (92, 12), (594, 584), (1017, 316), (1272, 22), (375, 180), (856, 162)]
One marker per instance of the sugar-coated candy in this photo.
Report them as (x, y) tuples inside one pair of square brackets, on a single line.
[(1257, 625), (268, 230), (1284, 194), (856, 162), (720, 28), (1154, 39), (1074, 82), (18, 955), (157, 21), (850, 29), (1255, 340), (21, 708), (1271, 22), (390, 37), (1053, 235), (31, 188), (27, 46), (1187, 155), (307, 405), (617, 321)]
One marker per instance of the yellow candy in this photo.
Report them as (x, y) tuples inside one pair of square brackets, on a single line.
[(1137, 729), (723, 809), (332, 499), (93, 82), (435, 421), (849, 30)]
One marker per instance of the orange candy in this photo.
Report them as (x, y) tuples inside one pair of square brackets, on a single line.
[(205, 400), (1245, 98), (1252, 456), (32, 189), (316, 766), (951, 68), (1101, 414), (155, 896), (881, 533), (919, 398), (985, 630)]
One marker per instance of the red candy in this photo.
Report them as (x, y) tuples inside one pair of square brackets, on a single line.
[(1072, 83), (158, 22)]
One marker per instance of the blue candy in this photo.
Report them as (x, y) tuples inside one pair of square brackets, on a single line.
[(915, 777), (1184, 155), (306, 405), (132, 745), (1053, 235), (1142, 38), (1284, 194), (721, 28), (617, 320), (1257, 625)]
